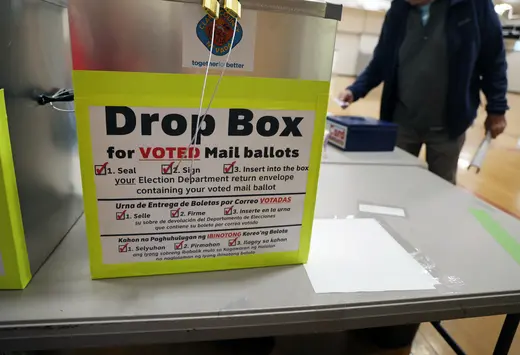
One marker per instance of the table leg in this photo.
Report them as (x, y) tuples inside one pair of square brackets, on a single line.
[(447, 337), (507, 334)]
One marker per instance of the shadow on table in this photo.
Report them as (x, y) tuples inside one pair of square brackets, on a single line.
[(351, 343)]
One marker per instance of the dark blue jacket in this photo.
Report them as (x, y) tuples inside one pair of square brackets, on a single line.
[(477, 61)]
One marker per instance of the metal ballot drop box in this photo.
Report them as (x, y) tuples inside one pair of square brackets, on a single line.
[(163, 196), (40, 185)]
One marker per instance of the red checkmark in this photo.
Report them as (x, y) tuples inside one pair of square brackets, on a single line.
[(121, 215), (228, 211), (229, 167), (168, 168), (122, 249), (99, 170), (233, 242), (175, 213), (179, 246)]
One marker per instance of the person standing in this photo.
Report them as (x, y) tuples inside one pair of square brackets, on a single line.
[(434, 57)]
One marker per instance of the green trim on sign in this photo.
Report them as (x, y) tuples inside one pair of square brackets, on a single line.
[(12, 237), (506, 240), (180, 90), (314, 175), (93, 88)]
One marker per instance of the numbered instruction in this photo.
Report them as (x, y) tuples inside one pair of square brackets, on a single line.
[(168, 189)]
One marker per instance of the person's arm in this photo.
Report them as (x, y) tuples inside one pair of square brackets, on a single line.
[(493, 69), (372, 76)]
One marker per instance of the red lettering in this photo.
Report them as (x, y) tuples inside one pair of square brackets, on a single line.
[(182, 152), (169, 152), (338, 135), (145, 152), (158, 153), (197, 152), (270, 200)]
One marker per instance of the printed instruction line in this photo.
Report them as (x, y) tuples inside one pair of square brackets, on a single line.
[(195, 197), (200, 231)]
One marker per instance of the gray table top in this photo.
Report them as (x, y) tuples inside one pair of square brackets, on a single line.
[(63, 307), (398, 157)]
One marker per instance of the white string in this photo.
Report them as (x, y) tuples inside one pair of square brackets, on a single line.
[(205, 78), (216, 86), (222, 73), (201, 101), (60, 109)]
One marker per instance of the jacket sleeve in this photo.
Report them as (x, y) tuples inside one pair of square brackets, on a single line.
[(492, 60), (372, 76)]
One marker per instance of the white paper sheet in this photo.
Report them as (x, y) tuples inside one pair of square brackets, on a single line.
[(388, 211), (359, 255)]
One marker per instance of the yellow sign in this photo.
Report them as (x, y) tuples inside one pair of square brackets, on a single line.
[(163, 195), (14, 263)]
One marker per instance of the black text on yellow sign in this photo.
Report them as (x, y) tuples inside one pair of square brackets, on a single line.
[(241, 123)]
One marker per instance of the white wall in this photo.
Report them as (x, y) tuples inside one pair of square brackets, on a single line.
[(345, 57), (374, 22), (358, 33), (513, 61)]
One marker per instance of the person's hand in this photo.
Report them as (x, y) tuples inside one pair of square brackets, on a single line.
[(419, 2), (496, 124), (346, 97)]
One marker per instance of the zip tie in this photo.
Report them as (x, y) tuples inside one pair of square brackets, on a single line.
[(59, 93)]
